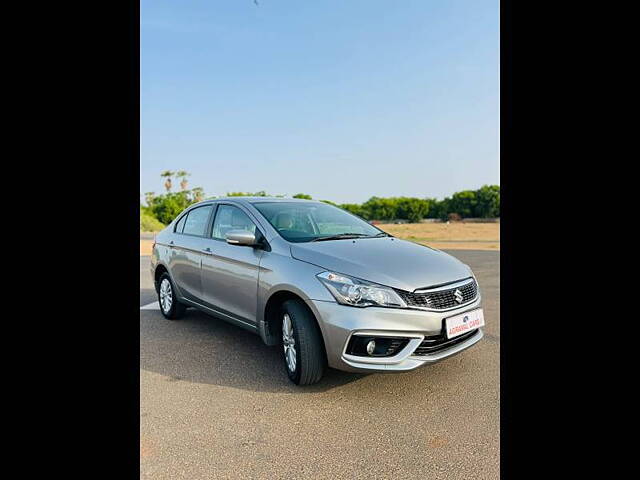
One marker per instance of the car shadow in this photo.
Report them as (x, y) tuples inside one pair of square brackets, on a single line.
[(203, 349)]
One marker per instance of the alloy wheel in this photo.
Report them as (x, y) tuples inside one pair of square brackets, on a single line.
[(166, 295), (289, 343)]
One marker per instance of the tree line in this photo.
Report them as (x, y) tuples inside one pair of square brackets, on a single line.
[(481, 203)]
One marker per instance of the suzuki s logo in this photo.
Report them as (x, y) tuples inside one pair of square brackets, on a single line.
[(458, 295)]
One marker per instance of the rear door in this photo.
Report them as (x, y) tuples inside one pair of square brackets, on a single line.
[(186, 251), (230, 272)]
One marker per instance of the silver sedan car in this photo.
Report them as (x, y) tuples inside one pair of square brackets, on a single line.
[(326, 286)]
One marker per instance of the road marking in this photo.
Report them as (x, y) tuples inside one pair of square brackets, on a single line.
[(151, 306)]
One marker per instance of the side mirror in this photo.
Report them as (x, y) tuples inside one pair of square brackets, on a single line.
[(241, 237)]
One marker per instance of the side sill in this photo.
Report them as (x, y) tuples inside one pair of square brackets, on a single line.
[(223, 316)]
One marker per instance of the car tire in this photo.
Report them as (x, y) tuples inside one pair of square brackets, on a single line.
[(170, 307), (303, 349)]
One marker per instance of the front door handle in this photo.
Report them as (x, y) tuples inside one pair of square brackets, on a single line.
[(207, 251)]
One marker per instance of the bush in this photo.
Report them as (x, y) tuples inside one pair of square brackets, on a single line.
[(148, 223)]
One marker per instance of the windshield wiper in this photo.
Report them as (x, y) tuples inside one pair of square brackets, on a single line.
[(340, 236), (381, 234)]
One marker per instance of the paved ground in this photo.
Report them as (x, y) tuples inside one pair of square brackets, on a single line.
[(216, 403)]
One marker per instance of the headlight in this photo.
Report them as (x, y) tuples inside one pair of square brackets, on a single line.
[(358, 293), (475, 279)]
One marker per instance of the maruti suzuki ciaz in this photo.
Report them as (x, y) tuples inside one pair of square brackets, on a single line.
[(327, 287)]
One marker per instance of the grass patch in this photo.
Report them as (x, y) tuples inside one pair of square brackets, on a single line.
[(457, 235)]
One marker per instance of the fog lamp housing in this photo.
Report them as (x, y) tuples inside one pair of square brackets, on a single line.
[(371, 346)]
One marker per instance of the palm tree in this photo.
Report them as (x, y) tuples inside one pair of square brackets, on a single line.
[(168, 174), (198, 194), (183, 175)]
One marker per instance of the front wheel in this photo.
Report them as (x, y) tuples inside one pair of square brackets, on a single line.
[(303, 349)]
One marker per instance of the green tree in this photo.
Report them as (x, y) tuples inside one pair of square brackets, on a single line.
[(412, 209), (377, 208), (303, 196), (353, 208), (166, 207), (439, 209), (148, 197), (488, 201), (464, 203)]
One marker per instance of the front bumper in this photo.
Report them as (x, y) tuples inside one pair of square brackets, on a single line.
[(339, 322)]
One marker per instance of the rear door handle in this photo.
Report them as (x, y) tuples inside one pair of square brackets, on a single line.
[(207, 251)]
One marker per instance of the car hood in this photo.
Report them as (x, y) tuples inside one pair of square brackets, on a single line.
[(387, 261)]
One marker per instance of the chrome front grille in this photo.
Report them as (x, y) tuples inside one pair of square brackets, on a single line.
[(442, 298)]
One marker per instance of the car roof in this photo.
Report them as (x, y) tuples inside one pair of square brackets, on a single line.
[(257, 200)]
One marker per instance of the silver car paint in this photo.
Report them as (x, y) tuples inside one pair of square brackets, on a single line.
[(236, 282), (388, 261), (184, 265), (230, 276)]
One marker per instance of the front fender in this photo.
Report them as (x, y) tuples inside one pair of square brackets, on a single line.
[(281, 273)]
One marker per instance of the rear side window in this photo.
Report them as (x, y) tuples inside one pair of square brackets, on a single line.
[(180, 224), (196, 222)]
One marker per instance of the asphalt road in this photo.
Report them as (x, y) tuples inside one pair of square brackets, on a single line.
[(215, 402)]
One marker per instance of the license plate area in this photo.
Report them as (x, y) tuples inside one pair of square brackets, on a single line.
[(463, 323)]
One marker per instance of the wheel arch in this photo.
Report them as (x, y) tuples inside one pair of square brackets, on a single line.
[(159, 270), (270, 326)]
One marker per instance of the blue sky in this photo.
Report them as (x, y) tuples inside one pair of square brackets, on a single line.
[(343, 100)]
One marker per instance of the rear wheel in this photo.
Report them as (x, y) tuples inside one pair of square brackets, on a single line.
[(170, 307), (303, 349)]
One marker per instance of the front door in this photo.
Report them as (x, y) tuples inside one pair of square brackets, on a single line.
[(230, 272)]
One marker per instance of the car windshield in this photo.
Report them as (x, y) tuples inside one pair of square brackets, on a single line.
[(306, 222)]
